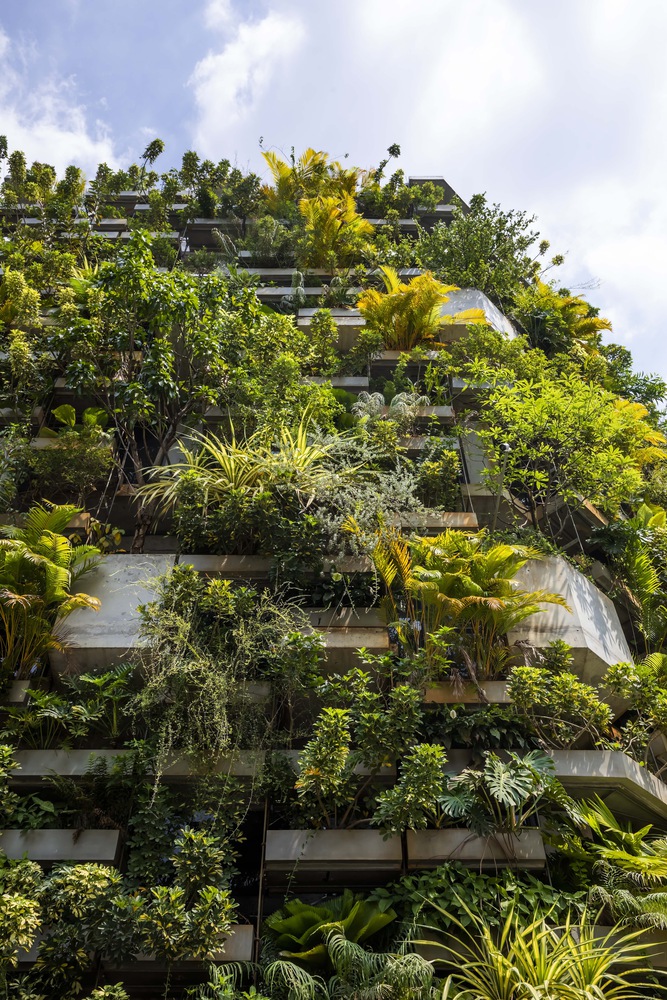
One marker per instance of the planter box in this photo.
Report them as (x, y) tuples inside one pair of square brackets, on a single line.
[(246, 765), (630, 791), (351, 383), (348, 321), (430, 848), (341, 646), (443, 414), (592, 628), (35, 765), (50, 846), (99, 640), (345, 618), (259, 567), (387, 776), (342, 850), (433, 522), (246, 567), (17, 693), (238, 947), (447, 693)]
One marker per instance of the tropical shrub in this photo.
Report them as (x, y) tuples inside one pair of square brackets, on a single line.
[(207, 643), (484, 247), (556, 321), (463, 894), (536, 958), (334, 234), (78, 458), (455, 581), (356, 973), (499, 799), (38, 568), (438, 477), (298, 930), (409, 314)]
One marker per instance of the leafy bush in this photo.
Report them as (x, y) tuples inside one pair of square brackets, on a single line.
[(438, 477), (461, 894), (298, 930)]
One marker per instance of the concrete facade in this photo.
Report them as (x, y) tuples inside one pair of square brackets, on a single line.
[(99, 640), (592, 628)]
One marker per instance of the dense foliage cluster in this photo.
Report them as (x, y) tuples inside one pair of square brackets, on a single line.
[(323, 406)]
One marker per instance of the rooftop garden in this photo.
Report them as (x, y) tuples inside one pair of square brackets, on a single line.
[(333, 596)]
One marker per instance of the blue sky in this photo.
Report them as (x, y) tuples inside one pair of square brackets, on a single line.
[(558, 108)]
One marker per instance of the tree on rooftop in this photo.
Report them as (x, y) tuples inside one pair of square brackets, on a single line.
[(486, 248)]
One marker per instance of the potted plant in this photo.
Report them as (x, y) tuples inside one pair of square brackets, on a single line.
[(482, 816), (341, 769)]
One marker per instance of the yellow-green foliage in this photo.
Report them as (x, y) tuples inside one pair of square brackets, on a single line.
[(408, 314), (335, 234)]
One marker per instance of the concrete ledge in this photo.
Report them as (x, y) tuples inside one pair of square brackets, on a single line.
[(592, 629), (430, 848), (628, 789), (99, 640), (238, 947), (341, 645), (50, 846), (435, 522), (344, 618), (35, 765), (344, 850), (448, 693)]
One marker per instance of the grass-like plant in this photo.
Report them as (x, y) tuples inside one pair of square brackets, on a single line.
[(573, 961)]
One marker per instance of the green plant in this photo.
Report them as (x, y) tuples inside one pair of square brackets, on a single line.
[(20, 912), (484, 247), (370, 733), (38, 567), (409, 314), (403, 409), (323, 338), (455, 580), (105, 697), (537, 959), (438, 477), (207, 642), (334, 234), (298, 930), (498, 799), (558, 707), (115, 992), (357, 973), (462, 893), (77, 459), (557, 321), (249, 467), (270, 243), (569, 442), (13, 446)]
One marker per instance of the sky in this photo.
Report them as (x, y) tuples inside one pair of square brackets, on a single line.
[(558, 107)]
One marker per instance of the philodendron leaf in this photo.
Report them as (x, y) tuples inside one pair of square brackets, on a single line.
[(95, 416), (65, 414)]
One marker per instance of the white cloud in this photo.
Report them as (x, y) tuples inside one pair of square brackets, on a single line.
[(229, 84), (218, 14), (45, 119)]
